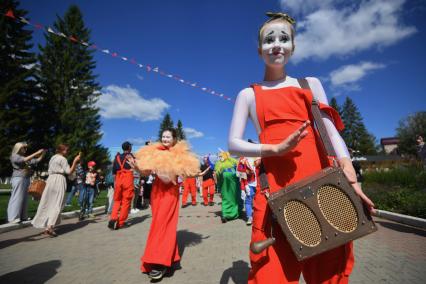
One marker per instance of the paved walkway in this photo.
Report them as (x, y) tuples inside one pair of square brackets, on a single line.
[(212, 252)]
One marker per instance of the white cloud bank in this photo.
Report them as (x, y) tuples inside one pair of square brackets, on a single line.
[(350, 74), (125, 102), (192, 133), (327, 28)]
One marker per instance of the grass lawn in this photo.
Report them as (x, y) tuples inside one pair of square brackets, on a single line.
[(5, 186), (32, 205)]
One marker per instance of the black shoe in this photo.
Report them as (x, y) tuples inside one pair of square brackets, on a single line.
[(116, 226), (157, 274), (223, 220), (194, 204), (111, 224), (211, 203), (184, 205)]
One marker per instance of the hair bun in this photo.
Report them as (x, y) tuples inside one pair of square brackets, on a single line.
[(279, 15)]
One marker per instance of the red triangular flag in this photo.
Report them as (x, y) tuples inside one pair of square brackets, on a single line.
[(10, 14), (73, 38)]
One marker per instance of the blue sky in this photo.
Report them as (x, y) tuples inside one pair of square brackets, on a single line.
[(372, 51)]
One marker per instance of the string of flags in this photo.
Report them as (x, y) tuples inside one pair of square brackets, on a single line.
[(147, 67)]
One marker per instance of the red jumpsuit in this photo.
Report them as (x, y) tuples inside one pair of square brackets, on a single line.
[(161, 245), (208, 185), (189, 186), (123, 193), (208, 189), (280, 113)]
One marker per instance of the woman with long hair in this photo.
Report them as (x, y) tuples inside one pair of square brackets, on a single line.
[(18, 202), (52, 200)]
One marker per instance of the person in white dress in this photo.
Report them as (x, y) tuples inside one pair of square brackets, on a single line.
[(52, 200)]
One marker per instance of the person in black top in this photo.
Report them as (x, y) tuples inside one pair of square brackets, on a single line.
[(208, 182), (147, 186), (123, 187)]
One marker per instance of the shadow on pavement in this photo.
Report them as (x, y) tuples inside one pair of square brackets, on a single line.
[(66, 228), (137, 220), (11, 242), (188, 239), (402, 228), (34, 274), (238, 273)]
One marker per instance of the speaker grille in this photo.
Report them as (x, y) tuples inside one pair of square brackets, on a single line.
[(302, 223), (337, 208)]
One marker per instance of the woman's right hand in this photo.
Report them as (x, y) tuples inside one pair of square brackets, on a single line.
[(77, 158), (287, 144), (40, 152)]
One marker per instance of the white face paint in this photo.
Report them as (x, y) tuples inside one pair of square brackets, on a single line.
[(276, 46), (167, 139)]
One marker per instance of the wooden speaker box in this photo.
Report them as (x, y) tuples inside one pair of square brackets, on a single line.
[(320, 213)]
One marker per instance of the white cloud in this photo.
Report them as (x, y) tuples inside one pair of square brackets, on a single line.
[(327, 28), (349, 74), (125, 102), (140, 77), (297, 8), (137, 140), (192, 133)]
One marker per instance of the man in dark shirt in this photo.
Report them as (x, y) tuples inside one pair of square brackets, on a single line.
[(208, 182), (123, 187)]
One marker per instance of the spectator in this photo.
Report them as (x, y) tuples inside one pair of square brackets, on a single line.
[(421, 149), (52, 200), (18, 202), (78, 186), (109, 182), (90, 189)]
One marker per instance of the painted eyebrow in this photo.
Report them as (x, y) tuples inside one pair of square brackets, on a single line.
[(283, 32), (271, 32)]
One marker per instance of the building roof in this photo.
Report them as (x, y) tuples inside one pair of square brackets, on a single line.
[(389, 141)]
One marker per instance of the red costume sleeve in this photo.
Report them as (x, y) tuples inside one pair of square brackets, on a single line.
[(334, 115)]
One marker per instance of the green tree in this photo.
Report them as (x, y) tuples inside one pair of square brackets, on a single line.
[(70, 91), (335, 105), (355, 133), (166, 123), (179, 129), (409, 128), (18, 91)]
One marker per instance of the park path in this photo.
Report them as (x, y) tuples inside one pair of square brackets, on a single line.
[(212, 252)]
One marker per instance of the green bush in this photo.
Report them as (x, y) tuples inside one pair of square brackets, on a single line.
[(408, 177), (399, 200), (400, 190)]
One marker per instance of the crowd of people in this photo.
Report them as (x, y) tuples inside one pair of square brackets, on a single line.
[(279, 107), (134, 184)]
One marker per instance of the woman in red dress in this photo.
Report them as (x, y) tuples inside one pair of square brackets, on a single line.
[(280, 109), (167, 160)]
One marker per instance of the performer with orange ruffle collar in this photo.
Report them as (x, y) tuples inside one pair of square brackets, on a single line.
[(167, 160)]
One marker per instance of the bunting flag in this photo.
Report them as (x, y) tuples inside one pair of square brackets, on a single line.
[(148, 68)]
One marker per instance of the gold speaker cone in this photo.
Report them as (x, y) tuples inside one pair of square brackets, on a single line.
[(302, 223), (337, 208)]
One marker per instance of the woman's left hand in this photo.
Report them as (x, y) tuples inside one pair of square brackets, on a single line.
[(348, 169)]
